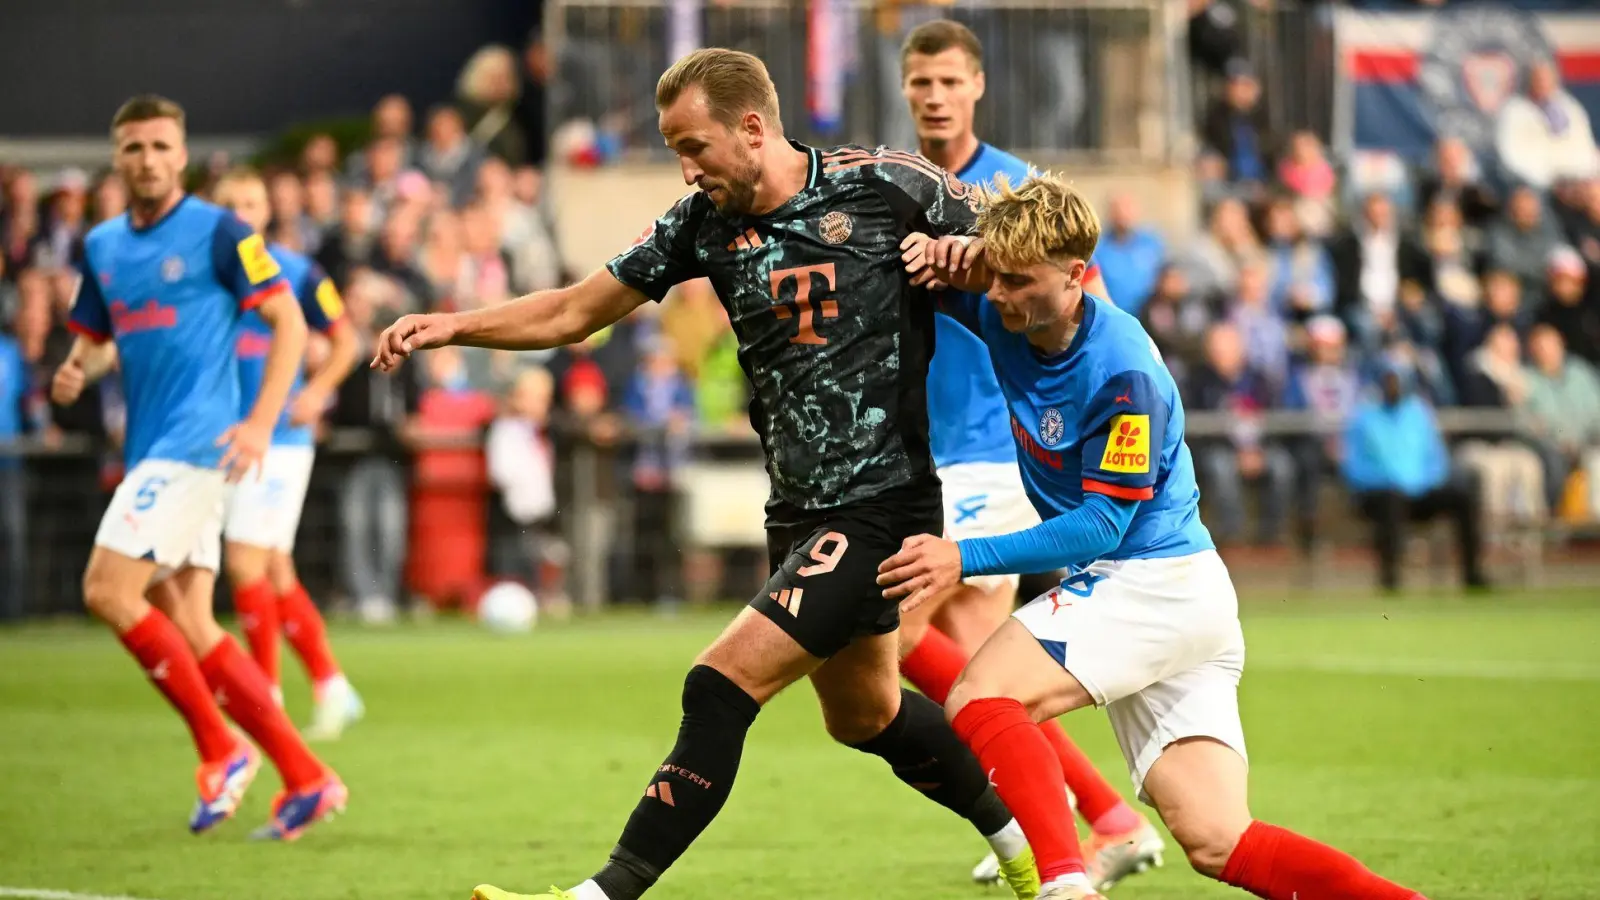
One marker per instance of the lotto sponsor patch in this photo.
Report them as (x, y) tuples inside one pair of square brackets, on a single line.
[(1128, 447), (328, 298), (259, 265)]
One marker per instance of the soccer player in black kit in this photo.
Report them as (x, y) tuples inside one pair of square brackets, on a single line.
[(803, 247)]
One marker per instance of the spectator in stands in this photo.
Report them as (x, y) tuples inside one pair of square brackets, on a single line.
[(532, 108), (486, 280), (525, 234), (1214, 261), (1370, 259), (392, 119), (1564, 399), (1574, 305), (15, 388), (1236, 127), (1411, 334), (441, 261), (1129, 254), (397, 253), (1522, 242), (1327, 386), (1302, 271), (1176, 318), (322, 203), (660, 402), (59, 244), (1266, 335), (1228, 385), (110, 197), (1396, 465), (1308, 176), (449, 156), (1543, 136), (354, 240), (488, 91), (20, 222), (525, 540), (321, 154), (290, 225), (1452, 260), (372, 494), (1467, 330), (1495, 377), (381, 174), (721, 391), (1457, 179)]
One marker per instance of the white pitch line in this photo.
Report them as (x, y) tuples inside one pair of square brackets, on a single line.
[(45, 894), (1498, 670)]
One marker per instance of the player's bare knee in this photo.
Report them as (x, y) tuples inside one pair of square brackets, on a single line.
[(857, 723), (969, 687), (113, 600), (244, 564), (910, 634), (281, 572), (1207, 842)]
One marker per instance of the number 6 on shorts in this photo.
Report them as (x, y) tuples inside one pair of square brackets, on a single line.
[(826, 562)]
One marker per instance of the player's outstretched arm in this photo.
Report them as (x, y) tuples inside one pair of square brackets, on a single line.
[(344, 350), (248, 441), (539, 321)]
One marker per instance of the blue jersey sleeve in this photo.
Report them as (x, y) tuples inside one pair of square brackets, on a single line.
[(1079, 535), (961, 306), (320, 300), (243, 265), (90, 317), (1125, 427)]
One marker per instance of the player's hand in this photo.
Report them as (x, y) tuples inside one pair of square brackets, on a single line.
[(247, 443), (924, 566), (68, 383), (410, 334), (307, 407), (914, 253)]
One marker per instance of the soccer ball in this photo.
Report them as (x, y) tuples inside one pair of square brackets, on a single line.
[(508, 608)]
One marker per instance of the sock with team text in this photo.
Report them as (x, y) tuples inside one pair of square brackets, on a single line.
[(166, 658), (935, 664), (688, 789), (244, 694), (1027, 776), (257, 605), (1277, 864), (307, 634)]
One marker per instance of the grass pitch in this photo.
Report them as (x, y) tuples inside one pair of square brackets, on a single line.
[(1451, 744)]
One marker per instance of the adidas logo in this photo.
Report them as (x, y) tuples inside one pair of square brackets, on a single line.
[(747, 241), (662, 791), (788, 598)]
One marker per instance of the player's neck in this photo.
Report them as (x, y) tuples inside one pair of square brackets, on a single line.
[(1057, 336), (952, 155), (787, 176), (145, 213)]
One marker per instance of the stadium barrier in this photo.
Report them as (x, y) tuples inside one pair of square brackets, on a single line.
[(1075, 81), (64, 487)]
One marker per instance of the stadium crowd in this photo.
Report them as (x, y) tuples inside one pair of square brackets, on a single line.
[(1467, 280)]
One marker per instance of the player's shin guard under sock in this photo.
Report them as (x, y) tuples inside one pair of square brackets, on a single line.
[(934, 664), (1028, 777), (1278, 864), (688, 790), (244, 694), (926, 754), (1098, 802), (161, 650), (257, 604), (304, 628)]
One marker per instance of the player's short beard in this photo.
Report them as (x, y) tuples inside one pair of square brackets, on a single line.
[(739, 189)]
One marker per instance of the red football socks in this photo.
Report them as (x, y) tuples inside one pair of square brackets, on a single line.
[(257, 604), (1278, 864), (160, 649), (303, 626), (935, 664), (1027, 775), (244, 694)]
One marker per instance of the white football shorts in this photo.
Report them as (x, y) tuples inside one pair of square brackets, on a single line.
[(984, 499), (265, 510), (1156, 642), (167, 512)]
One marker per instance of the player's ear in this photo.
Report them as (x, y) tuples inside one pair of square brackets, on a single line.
[(981, 84), (753, 129)]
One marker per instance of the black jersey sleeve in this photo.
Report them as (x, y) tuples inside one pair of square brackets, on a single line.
[(664, 255), (931, 200)]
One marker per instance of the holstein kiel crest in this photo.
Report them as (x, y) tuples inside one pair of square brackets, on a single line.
[(1052, 428), (172, 269), (1471, 66), (835, 227)]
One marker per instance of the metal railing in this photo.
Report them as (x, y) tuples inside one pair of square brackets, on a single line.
[(1067, 80)]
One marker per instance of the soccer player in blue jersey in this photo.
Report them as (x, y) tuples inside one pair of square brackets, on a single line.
[(1147, 625), (160, 298), (265, 512), (941, 66)]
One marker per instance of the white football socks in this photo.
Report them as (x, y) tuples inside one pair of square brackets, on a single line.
[(1008, 842), (589, 891)]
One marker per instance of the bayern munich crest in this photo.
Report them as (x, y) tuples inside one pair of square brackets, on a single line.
[(1052, 427), (835, 227), (1473, 63)]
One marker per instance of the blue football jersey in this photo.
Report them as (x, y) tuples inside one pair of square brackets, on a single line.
[(323, 307), (1102, 416), (171, 295), (966, 409)]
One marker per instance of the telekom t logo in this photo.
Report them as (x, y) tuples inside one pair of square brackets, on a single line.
[(828, 309)]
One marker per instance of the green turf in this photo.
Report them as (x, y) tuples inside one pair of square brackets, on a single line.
[(1450, 744)]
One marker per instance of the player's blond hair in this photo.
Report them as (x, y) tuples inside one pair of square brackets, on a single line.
[(734, 83), (144, 108), (1043, 219), (242, 175)]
